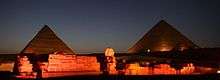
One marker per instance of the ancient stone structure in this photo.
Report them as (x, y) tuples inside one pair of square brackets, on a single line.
[(6, 66), (45, 42), (160, 69), (162, 37), (110, 61), (62, 61), (25, 68), (62, 64)]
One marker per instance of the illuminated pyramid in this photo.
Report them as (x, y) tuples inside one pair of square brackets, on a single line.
[(46, 42), (162, 37)]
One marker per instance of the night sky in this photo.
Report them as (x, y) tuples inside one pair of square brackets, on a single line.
[(93, 25)]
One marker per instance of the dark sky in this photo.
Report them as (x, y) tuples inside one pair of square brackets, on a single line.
[(92, 25)]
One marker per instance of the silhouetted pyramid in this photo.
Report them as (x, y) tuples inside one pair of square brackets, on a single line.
[(46, 42), (162, 37)]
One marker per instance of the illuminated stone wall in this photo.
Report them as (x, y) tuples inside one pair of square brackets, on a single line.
[(25, 68), (7, 66), (111, 66), (136, 69), (24, 65), (65, 63)]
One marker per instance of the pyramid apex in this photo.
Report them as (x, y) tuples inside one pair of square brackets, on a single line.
[(45, 26), (163, 24), (163, 21), (46, 29)]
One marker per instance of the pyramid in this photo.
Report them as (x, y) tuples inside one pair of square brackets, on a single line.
[(162, 37), (46, 42)]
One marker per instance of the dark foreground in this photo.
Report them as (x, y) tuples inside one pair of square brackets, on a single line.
[(148, 77), (9, 76)]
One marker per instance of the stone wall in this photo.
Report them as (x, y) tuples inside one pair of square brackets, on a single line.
[(7, 66), (161, 69), (67, 65)]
